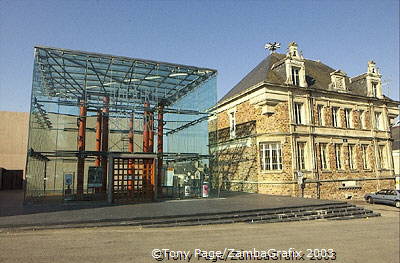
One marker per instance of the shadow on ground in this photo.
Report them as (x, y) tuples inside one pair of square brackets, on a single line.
[(14, 213), (12, 203)]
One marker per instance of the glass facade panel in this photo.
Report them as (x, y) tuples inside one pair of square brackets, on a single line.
[(75, 94)]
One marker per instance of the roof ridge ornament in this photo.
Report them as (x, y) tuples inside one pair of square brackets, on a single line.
[(293, 52), (272, 46)]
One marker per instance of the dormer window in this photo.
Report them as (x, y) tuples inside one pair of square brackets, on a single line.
[(338, 80), (374, 82), (374, 89), (295, 69), (340, 83), (296, 76)]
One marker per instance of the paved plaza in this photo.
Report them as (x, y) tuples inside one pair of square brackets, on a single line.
[(361, 240), (86, 212)]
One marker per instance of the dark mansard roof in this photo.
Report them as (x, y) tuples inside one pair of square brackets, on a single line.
[(272, 70)]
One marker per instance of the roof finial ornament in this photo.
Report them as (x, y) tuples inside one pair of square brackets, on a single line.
[(272, 46)]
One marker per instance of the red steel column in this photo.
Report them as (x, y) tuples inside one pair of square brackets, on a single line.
[(130, 149), (130, 135), (151, 132), (160, 140), (146, 128), (104, 140), (98, 137), (81, 147)]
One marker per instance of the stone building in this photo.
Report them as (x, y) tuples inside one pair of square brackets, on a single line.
[(294, 126), (396, 147), (13, 139), (13, 148)]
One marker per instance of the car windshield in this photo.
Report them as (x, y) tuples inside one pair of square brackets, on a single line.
[(398, 191)]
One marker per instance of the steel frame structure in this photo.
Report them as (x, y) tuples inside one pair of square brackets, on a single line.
[(73, 85)]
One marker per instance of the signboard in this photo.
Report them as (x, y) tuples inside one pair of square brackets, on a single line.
[(169, 179), (397, 182), (68, 179), (95, 177), (68, 184), (299, 177)]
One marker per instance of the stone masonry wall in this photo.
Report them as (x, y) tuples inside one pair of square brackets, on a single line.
[(238, 163), (242, 163), (356, 119), (315, 120), (336, 190), (368, 122), (277, 122), (328, 116), (342, 118)]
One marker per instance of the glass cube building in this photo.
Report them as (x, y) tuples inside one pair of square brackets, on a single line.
[(104, 126)]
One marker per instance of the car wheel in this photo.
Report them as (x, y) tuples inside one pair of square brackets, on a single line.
[(397, 204), (370, 200)]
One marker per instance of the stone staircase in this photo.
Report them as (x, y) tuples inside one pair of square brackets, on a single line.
[(338, 211), (330, 211)]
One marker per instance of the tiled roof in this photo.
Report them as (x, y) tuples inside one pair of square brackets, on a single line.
[(262, 72)]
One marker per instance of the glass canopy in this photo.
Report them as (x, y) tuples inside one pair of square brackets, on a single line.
[(75, 74)]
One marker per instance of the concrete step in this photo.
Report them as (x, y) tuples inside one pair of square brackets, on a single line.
[(348, 211), (333, 211)]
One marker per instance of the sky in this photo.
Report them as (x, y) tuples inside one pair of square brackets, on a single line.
[(225, 35)]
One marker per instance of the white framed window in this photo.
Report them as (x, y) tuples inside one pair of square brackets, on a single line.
[(296, 76), (320, 112), (381, 157), (338, 153), (298, 113), (348, 118), (232, 124), (378, 121), (335, 116), (323, 151), (351, 156), (270, 156), (300, 155), (374, 88), (362, 119), (364, 149)]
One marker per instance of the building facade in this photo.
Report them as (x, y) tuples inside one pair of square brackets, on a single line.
[(13, 147), (396, 148), (14, 139), (297, 127)]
